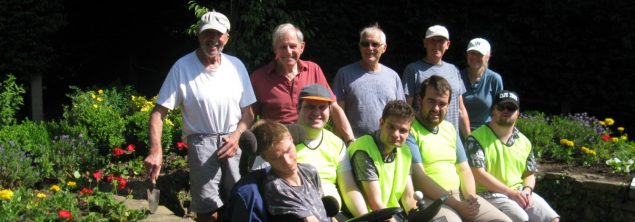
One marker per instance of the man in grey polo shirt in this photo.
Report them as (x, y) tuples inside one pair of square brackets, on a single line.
[(436, 43), (364, 87)]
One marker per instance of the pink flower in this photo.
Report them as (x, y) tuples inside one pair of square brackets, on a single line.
[(117, 151), (130, 148), (181, 145), (65, 215)]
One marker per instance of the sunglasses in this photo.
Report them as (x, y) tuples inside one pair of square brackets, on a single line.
[(507, 106), (366, 44)]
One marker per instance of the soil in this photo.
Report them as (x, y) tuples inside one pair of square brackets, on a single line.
[(598, 171)]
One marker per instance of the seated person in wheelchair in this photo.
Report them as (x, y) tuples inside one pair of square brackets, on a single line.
[(291, 190), (325, 151)]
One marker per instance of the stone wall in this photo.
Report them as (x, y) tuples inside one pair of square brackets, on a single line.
[(587, 197)]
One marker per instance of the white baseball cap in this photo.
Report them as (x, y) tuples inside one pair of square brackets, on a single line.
[(214, 20), (480, 45), (437, 30)]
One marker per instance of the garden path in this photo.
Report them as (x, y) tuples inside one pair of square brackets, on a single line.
[(163, 214)]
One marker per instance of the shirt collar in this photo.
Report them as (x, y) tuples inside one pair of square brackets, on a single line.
[(271, 67)]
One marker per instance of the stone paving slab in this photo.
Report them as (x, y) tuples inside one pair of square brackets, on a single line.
[(162, 214)]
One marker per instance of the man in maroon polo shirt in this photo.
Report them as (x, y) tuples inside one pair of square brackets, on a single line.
[(277, 85)]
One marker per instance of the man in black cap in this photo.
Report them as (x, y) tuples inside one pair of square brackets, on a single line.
[(504, 166)]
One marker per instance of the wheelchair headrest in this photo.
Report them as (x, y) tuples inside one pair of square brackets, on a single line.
[(248, 143)]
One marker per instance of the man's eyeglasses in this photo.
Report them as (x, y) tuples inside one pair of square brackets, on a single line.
[(506, 106), (366, 44)]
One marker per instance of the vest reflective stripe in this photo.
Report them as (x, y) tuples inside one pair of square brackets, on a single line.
[(438, 153), (393, 177), (506, 163)]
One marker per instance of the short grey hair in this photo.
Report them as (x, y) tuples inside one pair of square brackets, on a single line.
[(284, 29), (373, 28)]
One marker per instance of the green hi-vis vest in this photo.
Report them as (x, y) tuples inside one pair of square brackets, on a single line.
[(394, 176), (506, 163), (438, 153), (324, 158)]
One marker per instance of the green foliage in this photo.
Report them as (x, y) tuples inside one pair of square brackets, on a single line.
[(16, 167), (101, 113), (30, 154), (535, 126), (137, 129), (10, 100), (26, 205)]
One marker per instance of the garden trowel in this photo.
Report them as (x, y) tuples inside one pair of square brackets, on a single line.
[(153, 196)]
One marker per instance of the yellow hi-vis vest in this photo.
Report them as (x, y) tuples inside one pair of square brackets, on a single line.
[(438, 153), (394, 176), (325, 158), (506, 163)]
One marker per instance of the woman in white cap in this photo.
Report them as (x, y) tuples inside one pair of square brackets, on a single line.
[(481, 83)]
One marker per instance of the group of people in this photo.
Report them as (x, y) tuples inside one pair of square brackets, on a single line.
[(441, 131)]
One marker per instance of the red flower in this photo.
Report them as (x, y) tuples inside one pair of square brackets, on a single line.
[(606, 137), (110, 177), (180, 145), (117, 151), (130, 148), (85, 191), (65, 214), (97, 175), (121, 182)]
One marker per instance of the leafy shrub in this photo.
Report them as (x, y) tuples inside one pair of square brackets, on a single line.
[(535, 125), (10, 100), (138, 123), (101, 114), (17, 167), (26, 154)]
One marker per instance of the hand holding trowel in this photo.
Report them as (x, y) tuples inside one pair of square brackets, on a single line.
[(153, 193), (153, 196)]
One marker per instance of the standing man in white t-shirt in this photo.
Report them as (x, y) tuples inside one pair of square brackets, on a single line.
[(214, 94)]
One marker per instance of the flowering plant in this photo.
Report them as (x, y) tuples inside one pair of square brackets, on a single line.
[(579, 139)]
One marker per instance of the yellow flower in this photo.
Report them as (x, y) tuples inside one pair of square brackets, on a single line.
[(100, 91), (588, 151), (71, 184), (609, 121), (133, 98), (624, 137), (6, 194), (92, 95), (55, 188), (40, 195), (621, 129), (570, 143), (602, 123), (563, 141), (615, 139), (95, 106), (99, 99)]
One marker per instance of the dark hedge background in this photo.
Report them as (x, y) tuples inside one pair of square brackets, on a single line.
[(561, 56)]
